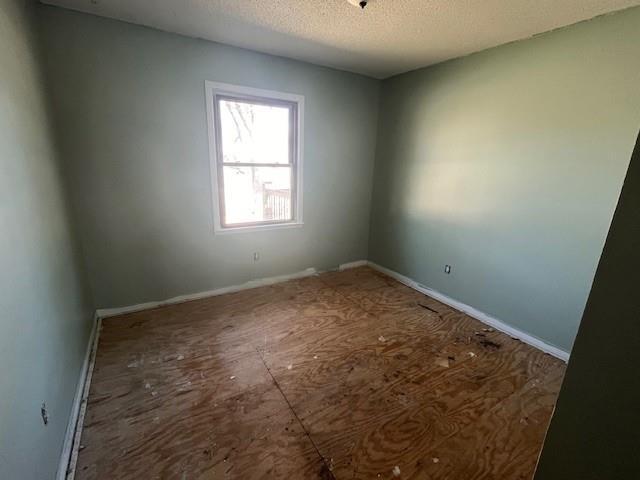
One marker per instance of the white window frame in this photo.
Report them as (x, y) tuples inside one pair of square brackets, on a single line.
[(214, 89)]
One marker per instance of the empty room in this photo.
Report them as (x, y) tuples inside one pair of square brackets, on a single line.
[(332, 239)]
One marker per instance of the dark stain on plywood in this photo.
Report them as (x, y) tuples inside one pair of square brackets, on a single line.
[(345, 375)]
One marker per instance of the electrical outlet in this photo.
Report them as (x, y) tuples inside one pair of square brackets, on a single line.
[(256, 256), (447, 269)]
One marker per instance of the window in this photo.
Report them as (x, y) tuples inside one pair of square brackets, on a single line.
[(255, 145)]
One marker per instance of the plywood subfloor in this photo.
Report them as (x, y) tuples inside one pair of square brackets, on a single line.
[(346, 375)]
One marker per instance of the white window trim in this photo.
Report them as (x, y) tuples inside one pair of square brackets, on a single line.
[(215, 88)]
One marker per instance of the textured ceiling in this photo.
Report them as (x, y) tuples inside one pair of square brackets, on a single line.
[(386, 38)]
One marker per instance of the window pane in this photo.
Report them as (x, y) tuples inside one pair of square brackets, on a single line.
[(254, 133), (257, 194)]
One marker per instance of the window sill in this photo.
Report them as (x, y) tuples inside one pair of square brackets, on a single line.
[(256, 228)]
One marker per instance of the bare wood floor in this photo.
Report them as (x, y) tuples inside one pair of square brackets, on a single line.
[(346, 375)]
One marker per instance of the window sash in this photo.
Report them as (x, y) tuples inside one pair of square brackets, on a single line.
[(293, 154)]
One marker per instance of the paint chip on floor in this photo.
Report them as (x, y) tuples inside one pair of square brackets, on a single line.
[(442, 362), (419, 357)]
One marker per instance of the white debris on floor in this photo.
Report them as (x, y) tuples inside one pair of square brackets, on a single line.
[(442, 362)]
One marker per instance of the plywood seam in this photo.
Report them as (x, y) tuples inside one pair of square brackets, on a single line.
[(330, 437), (304, 429)]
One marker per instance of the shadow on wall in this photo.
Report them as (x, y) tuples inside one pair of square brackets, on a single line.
[(507, 164)]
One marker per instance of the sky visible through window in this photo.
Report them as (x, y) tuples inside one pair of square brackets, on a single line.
[(255, 134)]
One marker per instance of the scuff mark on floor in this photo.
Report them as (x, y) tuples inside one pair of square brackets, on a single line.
[(429, 308), (490, 344)]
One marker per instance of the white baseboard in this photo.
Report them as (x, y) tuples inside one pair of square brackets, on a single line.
[(69, 457), (469, 310), (356, 264), (66, 467), (111, 312), (477, 314)]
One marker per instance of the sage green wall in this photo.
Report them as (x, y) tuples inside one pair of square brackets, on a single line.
[(594, 430), (507, 165), (130, 107), (45, 314)]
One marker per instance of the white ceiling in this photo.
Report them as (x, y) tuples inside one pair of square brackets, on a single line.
[(388, 37)]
